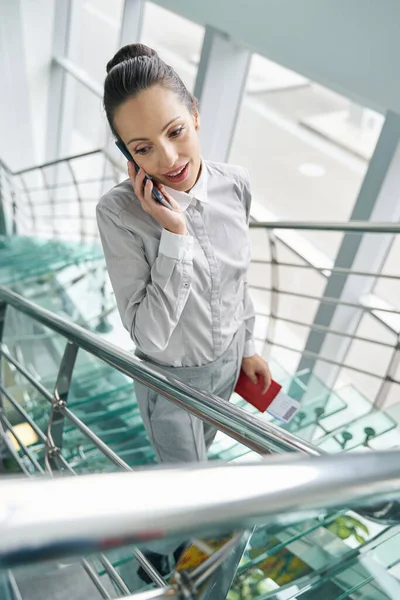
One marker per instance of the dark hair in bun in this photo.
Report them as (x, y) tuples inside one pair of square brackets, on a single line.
[(128, 52), (135, 68)]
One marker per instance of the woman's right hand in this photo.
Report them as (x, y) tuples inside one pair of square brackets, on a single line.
[(172, 220)]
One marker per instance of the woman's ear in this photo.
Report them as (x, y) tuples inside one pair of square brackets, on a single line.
[(196, 120)]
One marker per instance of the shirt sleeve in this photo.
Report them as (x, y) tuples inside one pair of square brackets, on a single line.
[(249, 311), (150, 299)]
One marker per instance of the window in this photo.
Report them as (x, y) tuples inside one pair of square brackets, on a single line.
[(177, 40), (307, 148)]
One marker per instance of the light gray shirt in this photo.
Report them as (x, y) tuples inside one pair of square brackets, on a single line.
[(182, 298)]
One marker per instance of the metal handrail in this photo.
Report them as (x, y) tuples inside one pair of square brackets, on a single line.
[(51, 163), (345, 226), (377, 313), (355, 227), (212, 409), (168, 593), (214, 413), (77, 515), (256, 434)]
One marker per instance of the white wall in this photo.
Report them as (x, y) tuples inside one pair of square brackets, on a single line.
[(25, 55), (37, 23), (351, 47), (16, 145)]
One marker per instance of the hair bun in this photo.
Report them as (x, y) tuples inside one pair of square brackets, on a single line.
[(129, 52)]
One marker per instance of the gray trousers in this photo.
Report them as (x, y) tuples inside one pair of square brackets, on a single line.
[(175, 434)]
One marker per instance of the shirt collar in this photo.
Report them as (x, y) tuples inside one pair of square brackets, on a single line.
[(198, 191)]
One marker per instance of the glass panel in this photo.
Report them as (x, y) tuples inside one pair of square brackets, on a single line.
[(311, 561), (359, 433), (356, 406)]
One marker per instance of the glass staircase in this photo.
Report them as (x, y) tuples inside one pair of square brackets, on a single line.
[(337, 556)]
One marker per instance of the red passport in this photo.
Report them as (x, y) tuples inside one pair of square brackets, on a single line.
[(276, 402)]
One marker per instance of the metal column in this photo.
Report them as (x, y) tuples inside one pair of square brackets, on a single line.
[(132, 20), (219, 88)]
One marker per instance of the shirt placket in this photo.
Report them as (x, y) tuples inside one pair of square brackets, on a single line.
[(202, 237)]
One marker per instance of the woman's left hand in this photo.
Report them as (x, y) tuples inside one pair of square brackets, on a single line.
[(255, 366)]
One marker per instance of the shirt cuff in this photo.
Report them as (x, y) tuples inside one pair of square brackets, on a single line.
[(178, 247), (249, 348)]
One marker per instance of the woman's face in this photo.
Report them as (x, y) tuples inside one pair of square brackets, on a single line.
[(161, 135)]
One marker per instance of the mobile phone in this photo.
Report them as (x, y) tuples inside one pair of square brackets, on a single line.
[(157, 195)]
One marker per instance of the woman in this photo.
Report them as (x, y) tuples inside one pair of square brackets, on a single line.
[(179, 276)]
